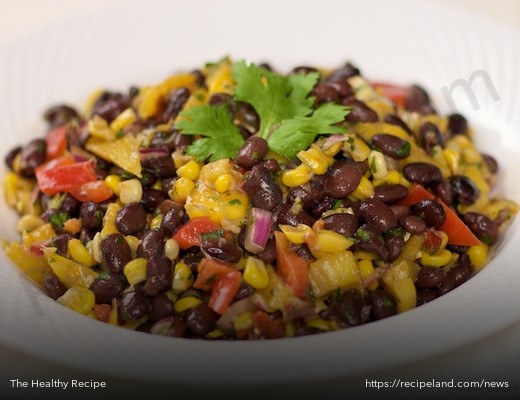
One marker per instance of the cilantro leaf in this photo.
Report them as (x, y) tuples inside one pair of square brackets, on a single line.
[(222, 137), (299, 132), (274, 97)]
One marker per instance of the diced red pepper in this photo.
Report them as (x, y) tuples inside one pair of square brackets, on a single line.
[(56, 142), (224, 291), (102, 311), (96, 192), (292, 268), (55, 176), (265, 327), (397, 94), (209, 271), (188, 235), (458, 233)]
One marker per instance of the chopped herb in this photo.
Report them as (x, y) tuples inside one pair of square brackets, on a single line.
[(234, 202), (336, 294), (120, 133), (125, 175), (104, 275), (397, 231), (387, 302), (211, 279), (404, 151), (310, 294), (200, 96), (350, 141), (486, 239), (57, 220), (337, 204), (373, 167), (212, 235), (363, 234)]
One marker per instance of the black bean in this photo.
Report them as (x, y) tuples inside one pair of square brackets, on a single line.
[(343, 73), (425, 296), (271, 165), (246, 117), (201, 319), (400, 211), (116, 252), (160, 164), (377, 213), (350, 309), (60, 114), (418, 100), (178, 328), (151, 243), (342, 87), (306, 331), (325, 204), (175, 103), (429, 278), (61, 242), (70, 205), (110, 105), (91, 215), (303, 251), (86, 235), (371, 240), (431, 211), (491, 163), (457, 124), (152, 198), (53, 287), (252, 152), (266, 66), (383, 304), (464, 190), (181, 141), (457, 249), (222, 98), (172, 220), (244, 290), (454, 278), (390, 193), (148, 178), (161, 307), (303, 69), (11, 156), (323, 93), (342, 179), (344, 224), (360, 112), (482, 226), (32, 156), (444, 191), (285, 216), (200, 78), (413, 224), (131, 219), (394, 119), (268, 255), (422, 173), (221, 249), (394, 245), (134, 305), (391, 145), (167, 184), (263, 190), (164, 140), (158, 275), (429, 137), (309, 194), (106, 287)]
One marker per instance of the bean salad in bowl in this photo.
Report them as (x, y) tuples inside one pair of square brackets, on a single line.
[(237, 202)]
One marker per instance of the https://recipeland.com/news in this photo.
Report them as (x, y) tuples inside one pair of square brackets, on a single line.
[(483, 384)]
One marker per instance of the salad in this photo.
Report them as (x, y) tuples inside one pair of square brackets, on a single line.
[(237, 202)]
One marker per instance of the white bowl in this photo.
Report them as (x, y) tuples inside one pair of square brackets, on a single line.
[(399, 41)]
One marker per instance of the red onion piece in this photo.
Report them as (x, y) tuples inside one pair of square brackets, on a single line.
[(259, 224)]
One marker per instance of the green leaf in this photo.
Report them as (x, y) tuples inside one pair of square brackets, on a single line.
[(299, 132), (274, 97), (222, 137)]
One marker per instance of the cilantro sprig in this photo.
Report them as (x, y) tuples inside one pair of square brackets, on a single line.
[(288, 120)]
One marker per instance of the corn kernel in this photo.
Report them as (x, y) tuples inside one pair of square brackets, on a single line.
[(437, 260), (364, 190), (290, 330), (223, 183), (237, 205), (182, 188), (156, 222), (79, 299), (133, 243), (243, 321), (357, 148), (29, 223), (131, 191), (186, 303), (315, 159), (98, 127), (135, 271), (182, 277), (377, 164), (11, 189), (190, 170), (333, 149), (255, 273), (393, 177), (113, 319), (122, 120), (478, 256), (171, 249), (297, 234), (109, 220), (366, 268), (297, 176), (150, 98), (113, 182), (215, 334), (452, 158), (94, 248), (80, 254), (319, 323), (328, 241)]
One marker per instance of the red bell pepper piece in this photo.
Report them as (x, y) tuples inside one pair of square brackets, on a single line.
[(60, 175), (458, 233), (56, 142), (96, 191), (188, 235), (292, 268), (224, 291), (398, 94)]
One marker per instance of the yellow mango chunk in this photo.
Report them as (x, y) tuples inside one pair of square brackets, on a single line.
[(33, 265), (70, 273), (122, 152), (333, 271)]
